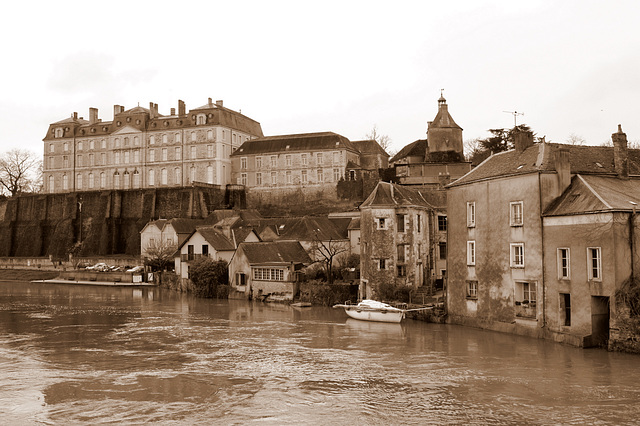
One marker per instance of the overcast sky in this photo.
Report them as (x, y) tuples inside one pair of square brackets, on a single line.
[(572, 67)]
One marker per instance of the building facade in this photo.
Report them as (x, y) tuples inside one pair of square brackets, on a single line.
[(539, 240), (141, 148)]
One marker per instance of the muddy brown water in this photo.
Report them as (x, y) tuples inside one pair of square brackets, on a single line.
[(94, 355)]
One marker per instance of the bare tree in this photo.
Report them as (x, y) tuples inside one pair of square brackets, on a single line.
[(383, 140), (19, 170), (574, 139), (160, 256), (327, 251)]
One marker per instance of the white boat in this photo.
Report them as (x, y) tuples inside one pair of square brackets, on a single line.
[(372, 310)]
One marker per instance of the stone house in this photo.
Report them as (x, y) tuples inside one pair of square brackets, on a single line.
[(267, 269), (141, 148), (539, 241), (165, 233), (210, 242), (397, 232)]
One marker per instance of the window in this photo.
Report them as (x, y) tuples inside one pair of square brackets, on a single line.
[(136, 156), (304, 176), (516, 213), (517, 255), (92, 144), (90, 181), (136, 140), (127, 180), (471, 253), (287, 159), (288, 177), (178, 153), (205, 250), (563, 264), (243, 162), (163, 176), (201, 119), (210, 135), (241, 279), (336, 175), (209, 173), (152, 140), (258, 178), (51, 148), (268, 274), (594, 258), (472, 289), (103, 144), (381, 223), (400, 222), (565, 308), (336, 158), (79, 145), (419, 223), (79, 181), (403, 252), (79, 161), (526, 292), (152, 176), (258, 162), (382, 264), (442, 223), (402, 270), (471, 214), (116, 180), (117, 142), (178, 137), (103, 180), (66, 146), (165, 154), (59, 133), (165, 139), (319, 158), (126, 141), (152, 155), (51, 162), (65, 161), (320, 176), (117, 157), (177, 176), (193, 152), (273, 178), (51, 184), (210, 151), (442, 250), (274, 161), (103, 158), (136, 179), (193, 137), (303, 159), (126, 157), (91, 160), (243, 179)]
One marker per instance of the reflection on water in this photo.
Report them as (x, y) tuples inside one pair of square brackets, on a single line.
[(71, 354)]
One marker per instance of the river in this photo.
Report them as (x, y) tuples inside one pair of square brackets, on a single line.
[(113, 355)]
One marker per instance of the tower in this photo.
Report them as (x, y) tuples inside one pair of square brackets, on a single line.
[(443, 134)]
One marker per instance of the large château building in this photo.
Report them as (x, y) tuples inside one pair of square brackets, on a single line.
[(141, 148)]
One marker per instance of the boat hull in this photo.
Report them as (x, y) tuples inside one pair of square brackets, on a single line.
[(375, 315)]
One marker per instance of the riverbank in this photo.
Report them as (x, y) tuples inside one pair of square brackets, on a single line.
[(26, 275)]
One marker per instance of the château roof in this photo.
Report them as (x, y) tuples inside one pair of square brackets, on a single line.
[(297, 142), (540, 158), (387, 194), (369, 146), (593, 194), (414, 149)]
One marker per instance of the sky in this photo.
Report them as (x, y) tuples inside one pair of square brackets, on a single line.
[(571, 68)]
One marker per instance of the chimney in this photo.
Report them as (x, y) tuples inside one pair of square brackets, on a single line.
[(563, 168), (181, 108), (75, 115), (219, 103), (210, 103), (151, 110), (620, 157), (523, 140), (173, 111), (93, 115), (155, 110)]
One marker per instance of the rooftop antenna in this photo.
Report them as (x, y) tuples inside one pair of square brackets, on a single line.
[(515, 115)]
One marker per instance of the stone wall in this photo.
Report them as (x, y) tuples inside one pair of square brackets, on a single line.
[(97, 223)]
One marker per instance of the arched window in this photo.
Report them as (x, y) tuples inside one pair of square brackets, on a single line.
[(209, 174), (178, 137), (193, 136), (103, 180), (177, 175), (136, 179), (116, 180), (51, 184), (152, 178), (164, 176), (165, 138), (127, 180), (90, 181), (192, 174), (65, 182), (79, 181), (202, 119)]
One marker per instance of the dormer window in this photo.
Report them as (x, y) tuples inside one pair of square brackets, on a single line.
[(201, 119), (59, 133)]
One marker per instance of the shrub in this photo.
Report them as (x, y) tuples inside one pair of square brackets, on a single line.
[(207, 275), (394, 293)]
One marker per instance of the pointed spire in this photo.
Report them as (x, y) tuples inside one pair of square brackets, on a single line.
[(442, 101)]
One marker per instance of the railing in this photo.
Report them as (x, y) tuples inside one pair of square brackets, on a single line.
[(189, 257)]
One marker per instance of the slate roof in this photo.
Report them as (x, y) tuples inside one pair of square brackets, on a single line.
[(592, 194), (306, 229), (137, 110), (369, 146), (443, 118), (540, 158), (184, 225), (298, 142), (414, 149), (275, 252), (215, 238), (354, 224), (387, 194), (72, 120)]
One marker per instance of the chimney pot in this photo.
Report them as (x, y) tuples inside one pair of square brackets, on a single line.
[(173, 111), (75, 115), (523, 140), (93, 115), (181, 108), (219, 103), (210, 102), (620, 154)]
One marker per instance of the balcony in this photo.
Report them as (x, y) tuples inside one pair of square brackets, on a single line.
[(190, 257)]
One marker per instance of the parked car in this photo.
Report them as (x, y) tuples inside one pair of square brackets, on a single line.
[(136, 269)]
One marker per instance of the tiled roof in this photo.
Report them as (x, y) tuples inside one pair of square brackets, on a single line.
[(540, 157), (414, 149), (369, 146), (390, 194), (184, 225), (275, 252), (306, 229), (215, 238), (242, 233), (300, 142), (590, 194)]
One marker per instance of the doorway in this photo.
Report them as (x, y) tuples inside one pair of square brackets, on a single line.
[(599, 321)]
